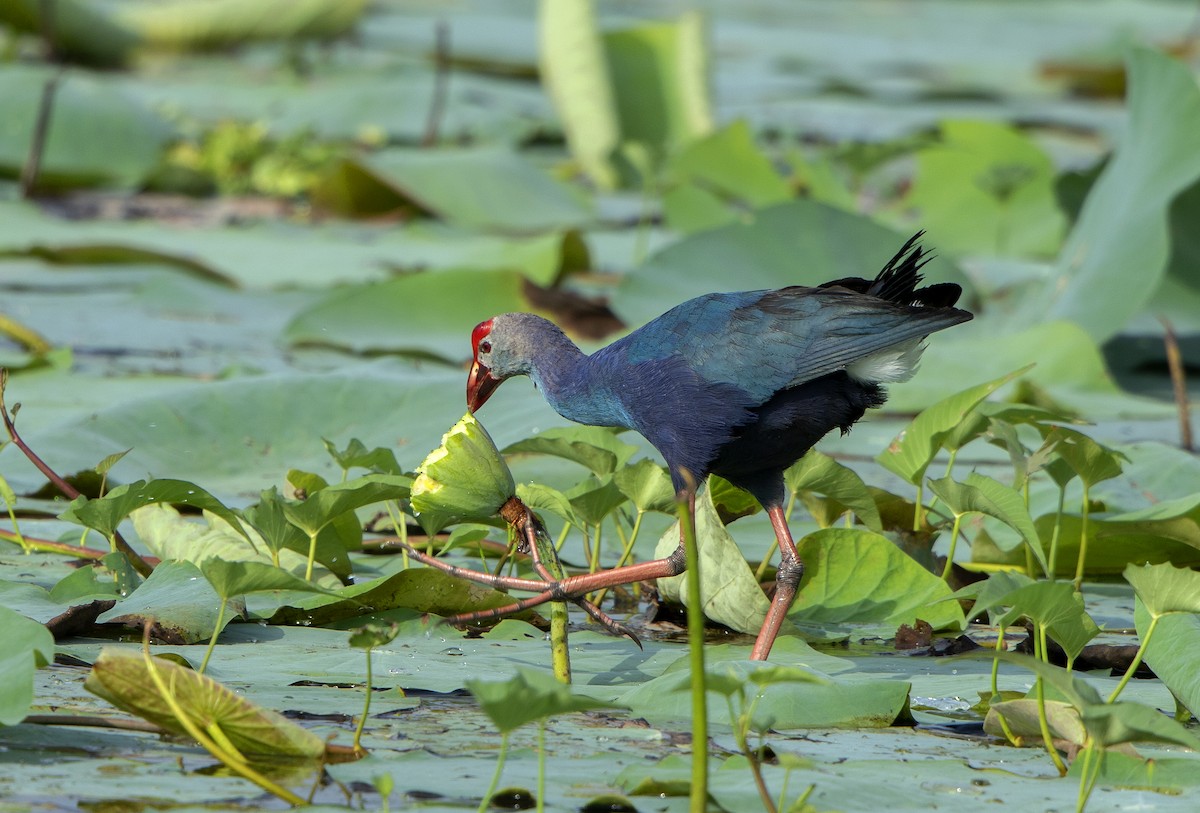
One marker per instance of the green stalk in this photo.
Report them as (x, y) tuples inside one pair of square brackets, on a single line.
[(596, 546), (1044, 724), (949, 469), (1137, 660), (953, 543), (400, 525), (996, 688), (1083, 541), (560, 654), (1062, 498), (212, 642), (917, 507), (740, 731), (562, 537), (18, 537), (695, 616), (487, 797), (541, 780), (362, 721), (766, 561), (1085, 786), (312, 556)]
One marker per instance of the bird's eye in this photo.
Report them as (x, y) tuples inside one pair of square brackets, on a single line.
[(485, 346)]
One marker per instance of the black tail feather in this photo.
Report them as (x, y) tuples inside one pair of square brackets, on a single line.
[(898, 280)]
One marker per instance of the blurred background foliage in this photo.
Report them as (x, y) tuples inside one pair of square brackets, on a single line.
[(274, 190)]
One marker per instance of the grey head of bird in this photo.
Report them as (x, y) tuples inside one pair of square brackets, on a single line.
[(508, 345)]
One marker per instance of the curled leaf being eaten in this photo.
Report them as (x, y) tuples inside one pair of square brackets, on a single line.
[(465, 479)]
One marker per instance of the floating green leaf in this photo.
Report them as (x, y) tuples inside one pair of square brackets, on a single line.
[(477, 187), (853, 576), (914, 448), (983, 495), (527, 697), (28, 646), (596, 448), (820, 474), (647, 485), (177, 599)]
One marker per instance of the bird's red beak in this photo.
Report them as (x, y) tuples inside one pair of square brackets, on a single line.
[(480, 386)]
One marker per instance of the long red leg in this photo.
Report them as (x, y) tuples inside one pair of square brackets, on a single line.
[(791, 570)]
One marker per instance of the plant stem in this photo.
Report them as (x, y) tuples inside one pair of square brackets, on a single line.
[(740, 730), (1137, 660), (541, 780), (596, 546), (953, 544), (1088, 755), (766, 561), (695, 616), (949, 469), (562, 537), (362, 721), (1053, 563), (212, 642), (917, 507), (996, 688), (1083, 541), (1043, 724), (543, 552), (400, 526), (312, 556), (487, 797)]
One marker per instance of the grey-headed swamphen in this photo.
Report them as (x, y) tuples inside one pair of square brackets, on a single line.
[(736, 384)]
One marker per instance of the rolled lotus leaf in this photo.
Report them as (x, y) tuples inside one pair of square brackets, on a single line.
[(463, 480)]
